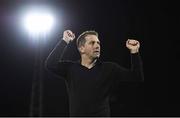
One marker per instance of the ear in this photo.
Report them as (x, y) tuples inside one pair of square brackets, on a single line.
[(81, 49)]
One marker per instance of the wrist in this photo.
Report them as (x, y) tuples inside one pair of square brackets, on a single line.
[(66, 40), (134, 51)]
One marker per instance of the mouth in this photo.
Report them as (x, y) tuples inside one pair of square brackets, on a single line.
[(97, 51)]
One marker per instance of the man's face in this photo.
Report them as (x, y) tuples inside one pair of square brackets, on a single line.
[(91, 48)]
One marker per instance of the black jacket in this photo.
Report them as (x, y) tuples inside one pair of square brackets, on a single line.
[(89, 89)]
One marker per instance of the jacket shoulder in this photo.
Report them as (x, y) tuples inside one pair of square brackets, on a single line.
[(109, 64)]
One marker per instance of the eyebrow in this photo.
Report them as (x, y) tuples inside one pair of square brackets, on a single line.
[(95, 41)]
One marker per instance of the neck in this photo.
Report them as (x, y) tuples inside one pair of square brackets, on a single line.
[(87, 62)]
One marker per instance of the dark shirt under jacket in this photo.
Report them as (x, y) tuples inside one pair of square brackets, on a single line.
[(89, 89)]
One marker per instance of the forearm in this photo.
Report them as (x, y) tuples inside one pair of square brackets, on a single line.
[(137, 66), (55, 55)]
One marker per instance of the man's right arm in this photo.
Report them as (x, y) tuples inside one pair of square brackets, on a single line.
[(53, 62)]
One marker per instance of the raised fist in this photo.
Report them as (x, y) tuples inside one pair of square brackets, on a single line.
[(133, 45), (68, 36)]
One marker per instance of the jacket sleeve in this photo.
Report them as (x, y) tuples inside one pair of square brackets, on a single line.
[(134, 74), (54, 62)]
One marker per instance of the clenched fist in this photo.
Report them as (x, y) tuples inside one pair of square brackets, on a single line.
[(68, 36), (133, 45)]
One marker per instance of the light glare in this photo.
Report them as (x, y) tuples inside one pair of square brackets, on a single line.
[(38, 22)]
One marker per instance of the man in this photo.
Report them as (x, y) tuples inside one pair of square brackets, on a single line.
[(89, 81)]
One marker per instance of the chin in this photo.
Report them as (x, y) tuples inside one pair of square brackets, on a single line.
[(97, 56)]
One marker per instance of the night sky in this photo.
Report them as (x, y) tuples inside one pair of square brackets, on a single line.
[(150, 22)]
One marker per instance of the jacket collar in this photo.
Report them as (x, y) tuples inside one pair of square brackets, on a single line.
[(97, 62)]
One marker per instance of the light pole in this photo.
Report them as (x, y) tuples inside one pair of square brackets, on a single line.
[(38, 24)]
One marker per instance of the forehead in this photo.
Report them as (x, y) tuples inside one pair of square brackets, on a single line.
[(91, 37)]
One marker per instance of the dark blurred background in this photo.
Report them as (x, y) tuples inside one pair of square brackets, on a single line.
[(153, 23)]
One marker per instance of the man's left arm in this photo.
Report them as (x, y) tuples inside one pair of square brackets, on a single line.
[(136, 61), (135, 73)]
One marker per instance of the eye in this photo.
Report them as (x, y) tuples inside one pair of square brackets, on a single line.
[(92, 42)]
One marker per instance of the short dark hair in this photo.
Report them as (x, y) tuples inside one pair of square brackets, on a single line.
[(81, 39)]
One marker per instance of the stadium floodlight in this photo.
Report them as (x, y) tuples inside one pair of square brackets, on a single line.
[(38, 22)]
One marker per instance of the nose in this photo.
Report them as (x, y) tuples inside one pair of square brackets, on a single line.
[(97, 45)]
